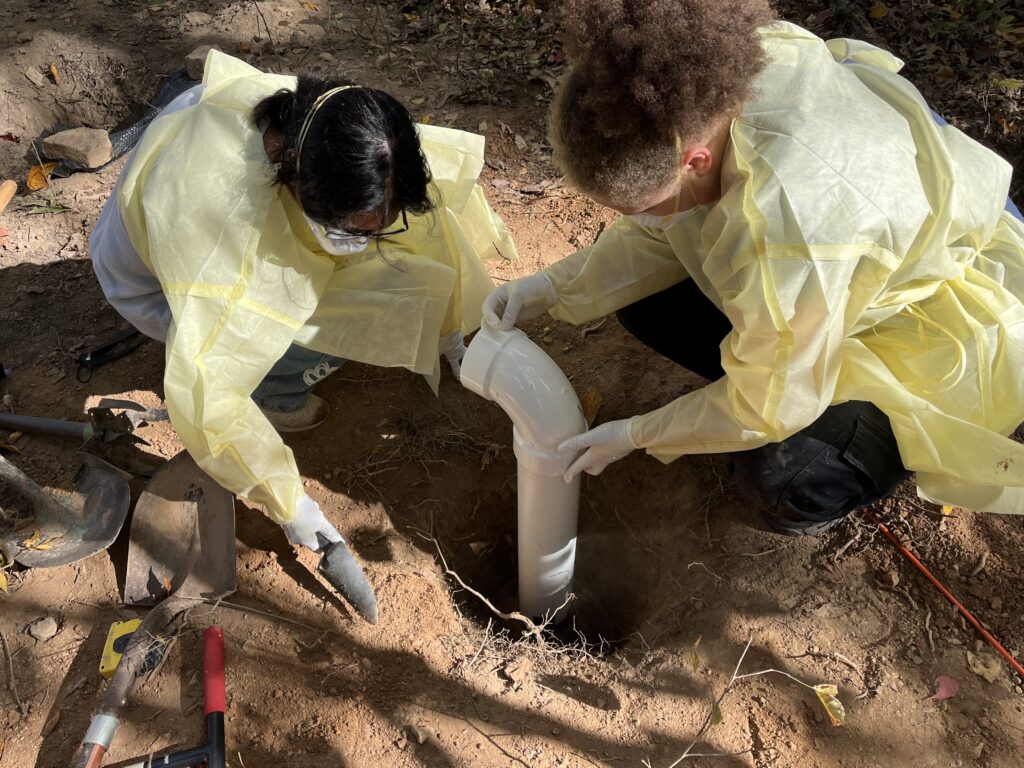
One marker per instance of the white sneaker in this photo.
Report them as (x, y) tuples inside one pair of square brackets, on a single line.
[(313, 413)]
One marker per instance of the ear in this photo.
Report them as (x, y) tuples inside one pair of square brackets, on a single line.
[(698, 158)]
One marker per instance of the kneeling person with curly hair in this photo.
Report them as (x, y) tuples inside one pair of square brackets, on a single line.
[(802, 230)]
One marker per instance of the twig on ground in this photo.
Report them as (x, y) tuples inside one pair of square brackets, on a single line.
[(11, 684), (532, 628), (928, 631), (711, 714), (980, 566), (247, 609)]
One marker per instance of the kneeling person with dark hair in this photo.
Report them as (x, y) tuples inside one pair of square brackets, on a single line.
[(269, 228)]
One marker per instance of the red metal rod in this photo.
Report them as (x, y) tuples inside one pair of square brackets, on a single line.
[(949, 596), (214, 693)]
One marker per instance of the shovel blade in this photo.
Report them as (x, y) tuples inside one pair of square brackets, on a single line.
[(182, 537), (343, 572), (69, 529)]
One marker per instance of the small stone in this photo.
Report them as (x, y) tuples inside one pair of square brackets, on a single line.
[(367, 664), (421, 733), (37, 77), (997, 603), (89, 147), (308, 33), (195, 62), (325, 56), (402, 742), (278, 693), (43, 629), (328, 475), (1017, 689), (889, 579), (25, 37), (978, 646), (547, 339)]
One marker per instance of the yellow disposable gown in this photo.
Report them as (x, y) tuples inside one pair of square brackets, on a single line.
[(245, 279), (861, 252)]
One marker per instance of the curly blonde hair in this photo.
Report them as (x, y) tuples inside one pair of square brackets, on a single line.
[(646, 74)]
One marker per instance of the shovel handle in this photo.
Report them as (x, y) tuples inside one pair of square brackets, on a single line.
[(214, 692), (43, 426)]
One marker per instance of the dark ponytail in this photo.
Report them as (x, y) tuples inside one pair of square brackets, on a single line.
[(361, 152)]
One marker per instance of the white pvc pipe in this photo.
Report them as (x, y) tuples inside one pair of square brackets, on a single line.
[(509, 369)]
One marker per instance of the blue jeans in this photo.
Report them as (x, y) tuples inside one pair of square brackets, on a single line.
[(289, 383)]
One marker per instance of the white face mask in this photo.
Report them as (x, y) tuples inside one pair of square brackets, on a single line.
[(336, 242)]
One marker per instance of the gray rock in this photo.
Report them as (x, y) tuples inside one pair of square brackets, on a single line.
[(43, 629), (89, 147), (198, 18), (196, 60), (38, 78)]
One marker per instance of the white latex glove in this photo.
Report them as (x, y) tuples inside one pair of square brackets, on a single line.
[(604, 444), (522, 299), (309, 520), (453, 349)]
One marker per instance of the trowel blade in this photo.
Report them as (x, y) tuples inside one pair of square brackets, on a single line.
[(343, 572)]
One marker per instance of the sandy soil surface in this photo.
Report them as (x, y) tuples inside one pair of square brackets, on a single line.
[(674, 576)]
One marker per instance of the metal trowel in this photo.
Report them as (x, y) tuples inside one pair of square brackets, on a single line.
[(344, 574)]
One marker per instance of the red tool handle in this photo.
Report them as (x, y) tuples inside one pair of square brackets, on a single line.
[(214, 693)]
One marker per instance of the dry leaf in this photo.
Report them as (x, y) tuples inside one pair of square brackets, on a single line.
[(1011, 83), (591, 403), (694, 658), (55, 73), (878, 11), (37, 543), (946, 687), (3, 582), (39, 176), (946, 72), (418, 100), (833, 706), (311, 6), (984, 665), (716, 713), (9, 447)]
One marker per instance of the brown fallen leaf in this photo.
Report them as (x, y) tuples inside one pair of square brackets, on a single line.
[(3, 582), (9, 447), (55, 73), (591, 403), (878, 11), (39, 176)]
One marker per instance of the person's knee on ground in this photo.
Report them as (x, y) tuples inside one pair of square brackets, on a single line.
[(810, 482)]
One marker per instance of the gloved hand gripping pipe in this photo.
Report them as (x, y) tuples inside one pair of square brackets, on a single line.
[(510, 370)]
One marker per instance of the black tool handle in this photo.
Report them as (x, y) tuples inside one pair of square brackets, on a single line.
[(42, 426)]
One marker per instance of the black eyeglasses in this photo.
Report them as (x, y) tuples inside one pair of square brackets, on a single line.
[(337, 233)]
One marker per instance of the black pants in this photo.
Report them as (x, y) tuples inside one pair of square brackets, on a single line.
[(804, 485)]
